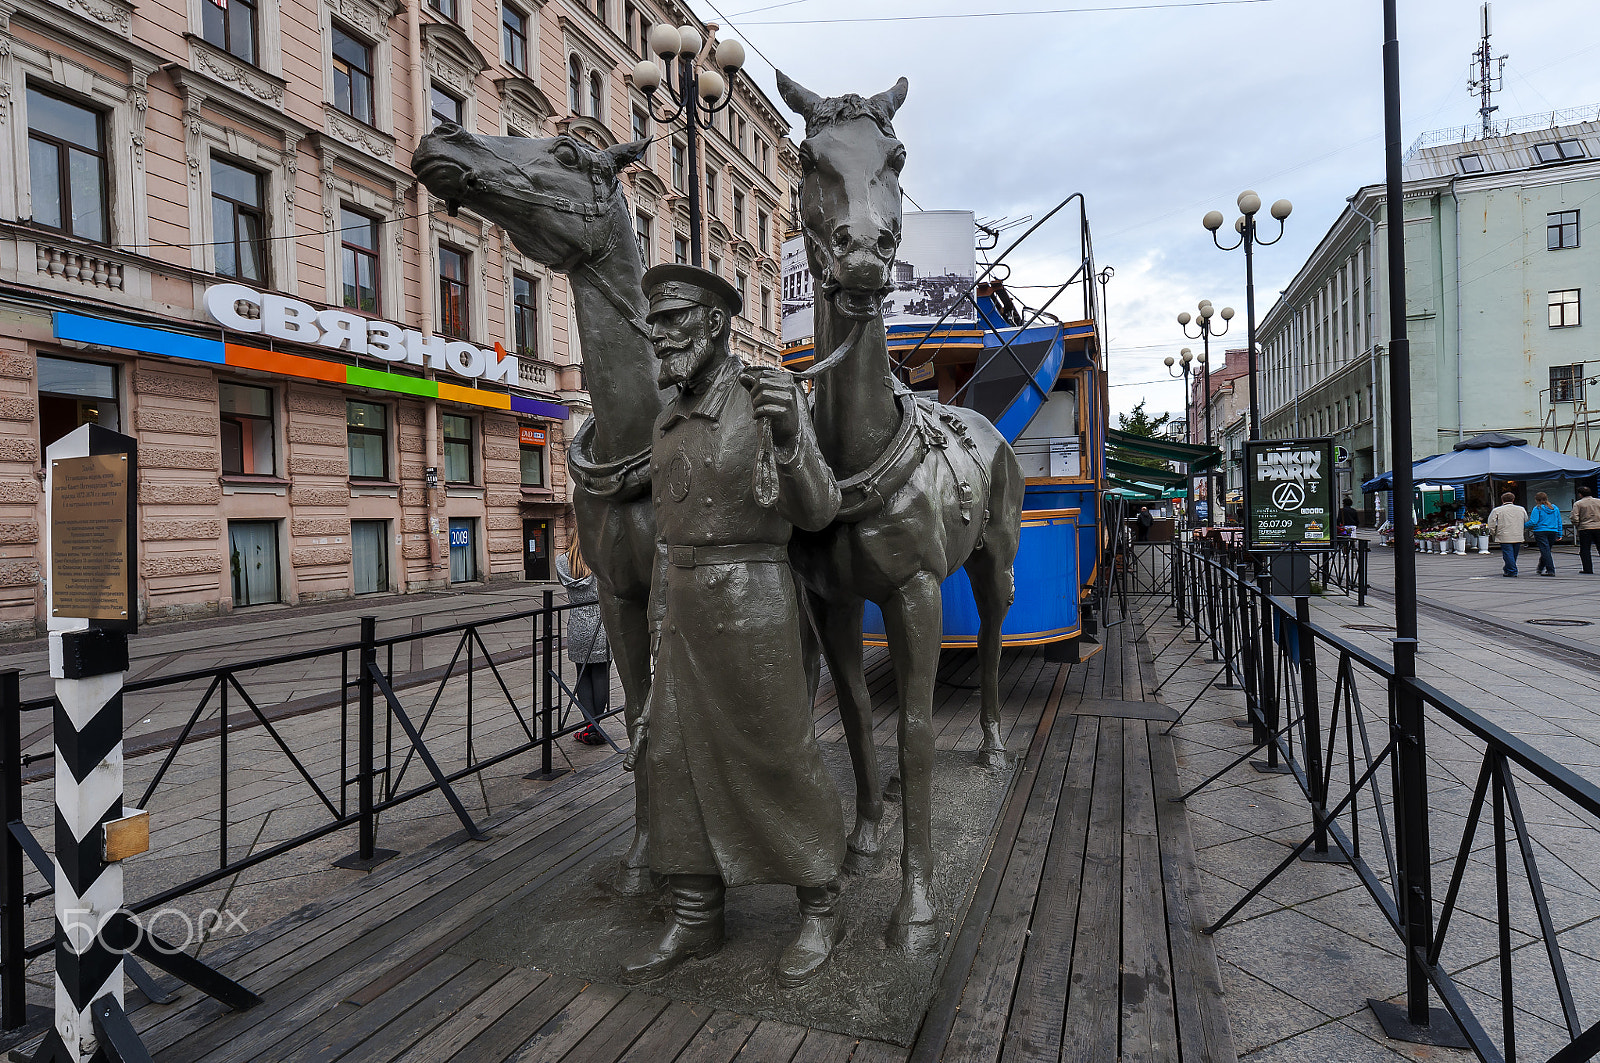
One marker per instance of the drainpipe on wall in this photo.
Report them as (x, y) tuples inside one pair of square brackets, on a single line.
[(420, 112), (1455, 206)]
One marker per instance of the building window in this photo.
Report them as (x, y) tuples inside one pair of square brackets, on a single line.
[(247, 435), (641, 124), (463, 551), (367, 431), (641, 233), (766, 156), (711, 190), (253, 559), (1563, 229), (514, 37), (452, 292), (597, 94), (525, 315), (1566, 383), (742, 283), (532, 462), (1564, 308), (680, 250), (600, 10), (369, 555), (447, 8), (446, 108), (634, 30), (67, 166), (714, 264), (352, 76), (738, 212), (680, 167), (738, 123), (763, 223), (457, 448), (358, 260), (575, 85), (75, 393), (231, 26), (1559, 150), (1469, 163), (239, 221), (766, 308)]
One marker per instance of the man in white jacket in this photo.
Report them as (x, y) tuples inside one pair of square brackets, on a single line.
[(1506, 529)]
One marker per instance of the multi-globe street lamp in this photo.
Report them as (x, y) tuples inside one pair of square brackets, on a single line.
[(1179, 367), (1205, 322), (1245, 226), (697, 88)]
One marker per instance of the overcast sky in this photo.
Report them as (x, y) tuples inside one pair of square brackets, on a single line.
[(1157, 116)]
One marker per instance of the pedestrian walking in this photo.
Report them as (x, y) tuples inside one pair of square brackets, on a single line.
[(1545, 523), (1586, 527), (1507, 529), (1145, 521), (1348, 518), (586, 639)]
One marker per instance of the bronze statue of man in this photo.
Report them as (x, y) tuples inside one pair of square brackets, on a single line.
[(738, 791)]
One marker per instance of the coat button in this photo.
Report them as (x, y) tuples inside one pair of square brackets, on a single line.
[(708, 501), (708, 462), (719, 629)]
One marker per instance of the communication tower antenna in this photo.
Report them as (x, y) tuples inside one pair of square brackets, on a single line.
[(1486, 75)]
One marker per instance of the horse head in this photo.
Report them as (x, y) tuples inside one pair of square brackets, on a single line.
[(850, 164), (556, 196)]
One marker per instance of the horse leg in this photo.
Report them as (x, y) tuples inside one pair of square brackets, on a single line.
[(840, 626), (914, 620), (993, 589), (628, 626)]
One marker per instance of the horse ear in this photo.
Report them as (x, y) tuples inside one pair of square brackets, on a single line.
[(623, 156), (801, 100), (894, 96)]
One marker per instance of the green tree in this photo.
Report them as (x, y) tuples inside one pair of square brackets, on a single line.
[(1137, 422)]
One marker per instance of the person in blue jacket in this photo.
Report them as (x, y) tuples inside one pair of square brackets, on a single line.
[(1545, 523)]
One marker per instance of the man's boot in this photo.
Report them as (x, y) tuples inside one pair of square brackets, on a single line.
[(694, 929), (821, 927)]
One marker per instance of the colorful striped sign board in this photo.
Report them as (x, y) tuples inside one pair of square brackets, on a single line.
[(119, 334)]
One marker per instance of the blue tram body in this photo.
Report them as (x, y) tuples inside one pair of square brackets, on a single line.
[(1043, 387)]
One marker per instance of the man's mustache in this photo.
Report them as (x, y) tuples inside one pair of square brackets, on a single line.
[(663, 348)]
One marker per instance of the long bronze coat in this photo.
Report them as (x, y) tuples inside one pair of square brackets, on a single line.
[(737, 785)]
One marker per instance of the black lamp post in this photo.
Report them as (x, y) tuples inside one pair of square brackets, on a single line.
[(1205, 322), (1177, 367), (1245, 226), (697, 89)]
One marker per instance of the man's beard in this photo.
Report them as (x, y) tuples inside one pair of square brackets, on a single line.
[(682, 365)]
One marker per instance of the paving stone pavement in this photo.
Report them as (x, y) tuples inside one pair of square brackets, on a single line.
[(1301, 960)]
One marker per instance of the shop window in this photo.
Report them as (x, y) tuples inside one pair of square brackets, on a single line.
[(463, 551), (452, 292), (67, 166), (1562, 227), (352, 76), (253, 560), (247, 430), (446, 108), (525, 315), (1564, 309), (369, 555), (367, 429), (514, 37), (532, 458), (239, 221), (457, 448), (358, 260), (231, 26), (73, 393)]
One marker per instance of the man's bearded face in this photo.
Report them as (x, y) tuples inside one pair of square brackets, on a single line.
[(685, 341)]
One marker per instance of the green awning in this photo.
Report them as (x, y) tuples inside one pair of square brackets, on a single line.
[(1198, 458), (1131, 471), (1143, 492)]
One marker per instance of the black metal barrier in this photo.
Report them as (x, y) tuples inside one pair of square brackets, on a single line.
[(370, 696), (1304, 688)]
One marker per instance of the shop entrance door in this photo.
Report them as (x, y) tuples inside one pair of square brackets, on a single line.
[(536, 550), (253, 557), (463, 552), (370, 555)]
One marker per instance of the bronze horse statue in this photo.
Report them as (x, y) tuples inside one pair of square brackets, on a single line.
[(927, 488), (563, 205)]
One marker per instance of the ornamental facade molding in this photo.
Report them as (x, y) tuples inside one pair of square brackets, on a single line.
[(451, 56), (239, 76)]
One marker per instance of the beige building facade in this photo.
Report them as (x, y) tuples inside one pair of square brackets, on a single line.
[(190, 183)]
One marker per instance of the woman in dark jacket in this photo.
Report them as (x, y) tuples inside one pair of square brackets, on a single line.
[(586, 638)]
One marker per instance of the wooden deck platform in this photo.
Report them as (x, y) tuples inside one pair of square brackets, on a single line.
[(1079, 941)]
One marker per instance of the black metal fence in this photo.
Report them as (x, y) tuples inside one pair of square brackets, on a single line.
[(496, 689), (1363, 745)]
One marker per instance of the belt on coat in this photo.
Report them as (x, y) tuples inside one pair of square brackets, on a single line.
[(738, 553)]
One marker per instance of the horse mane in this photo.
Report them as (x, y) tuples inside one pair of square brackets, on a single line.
[(847, 107)]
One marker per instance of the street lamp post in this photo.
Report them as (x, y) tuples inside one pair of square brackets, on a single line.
[(702, 88), (1205, 322), (1179, 367), (1249, 207)]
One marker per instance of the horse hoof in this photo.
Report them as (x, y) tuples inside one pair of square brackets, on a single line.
[(634, 882), (914, 938), (892, 791), (993, 759), (857, 862)]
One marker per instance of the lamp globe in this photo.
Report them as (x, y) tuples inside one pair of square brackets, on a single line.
[(646, 76), (664, 40)]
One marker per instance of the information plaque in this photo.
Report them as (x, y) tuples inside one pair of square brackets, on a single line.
[(1288, 494), (90, 567)]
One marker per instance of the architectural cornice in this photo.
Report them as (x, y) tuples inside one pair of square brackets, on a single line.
[(451, 56), (229, 72)]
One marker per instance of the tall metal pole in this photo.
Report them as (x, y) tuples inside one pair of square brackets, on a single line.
[(691, 136), (1211, 474), (1250, 320)]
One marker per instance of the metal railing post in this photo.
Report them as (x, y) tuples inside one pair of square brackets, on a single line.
[(1267, 684), (547, 768), (1179, 589), (367, 854), (1415, 886), (1227, 614), (1312, 716), (1249, 668), (1361, 572), (13, 986)]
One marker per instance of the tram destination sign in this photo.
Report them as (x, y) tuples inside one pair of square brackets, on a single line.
[(1288, 494)]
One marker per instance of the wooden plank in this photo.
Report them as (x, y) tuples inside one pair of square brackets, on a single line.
[(488, 1008), (1147, 667), (821, 1046), (1038, 1008), (611, 1036), (500, 1039), (1149, 1027), (1138, 795), (668, 1035), (772, 1042), (346, 1026), (1090, 1032), (570, 1025), (878, 1052), (1125, 710), (1198, 1001), (718, 1041)]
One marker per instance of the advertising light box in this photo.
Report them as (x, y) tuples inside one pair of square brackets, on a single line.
[(1288, 494)]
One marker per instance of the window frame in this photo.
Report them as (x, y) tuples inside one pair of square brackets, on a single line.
[(763, 223), (680, 249), (1553, 304), (459, 325), (680, 166), (525, 311), (1469, 164), (766, 308), (523, 450), (644, 233), (115, 398), (342, 69), (467, 441), (63, 149), (641, 123), (382, 433), (738, 210), (446, 8), (711, 191), (597, 95), (741, 283), (575, 83), (271, 418), (434, 93), (1573, 382), (226, 44), (1556, 229), (1566, 149), (238, 208), (513, 37), (357, 252)]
